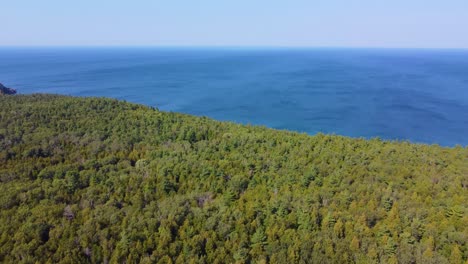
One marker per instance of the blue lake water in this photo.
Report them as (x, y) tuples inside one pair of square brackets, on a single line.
[(416, 95)]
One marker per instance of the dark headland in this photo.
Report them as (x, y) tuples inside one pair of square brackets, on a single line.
[(6, 90)]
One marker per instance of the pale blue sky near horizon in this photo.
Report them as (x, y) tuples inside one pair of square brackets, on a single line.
[(293, 23)]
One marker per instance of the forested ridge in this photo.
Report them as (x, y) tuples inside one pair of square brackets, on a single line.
[(95, 180)]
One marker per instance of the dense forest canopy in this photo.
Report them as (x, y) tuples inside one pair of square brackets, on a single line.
[(97, 180)]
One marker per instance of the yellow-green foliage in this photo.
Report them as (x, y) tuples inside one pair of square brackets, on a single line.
[(98, 180)]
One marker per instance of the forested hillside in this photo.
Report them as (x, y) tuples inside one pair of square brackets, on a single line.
[(95, 180)]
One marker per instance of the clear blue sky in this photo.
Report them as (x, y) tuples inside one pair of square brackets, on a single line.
[(343, 23)]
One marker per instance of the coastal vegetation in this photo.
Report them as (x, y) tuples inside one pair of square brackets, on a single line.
[(95, 180)]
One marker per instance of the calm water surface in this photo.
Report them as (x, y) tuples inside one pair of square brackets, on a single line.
[(416, 95)]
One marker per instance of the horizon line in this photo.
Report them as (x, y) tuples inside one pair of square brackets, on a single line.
[(235, 47)]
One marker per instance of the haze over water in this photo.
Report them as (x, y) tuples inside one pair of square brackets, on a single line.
[(416, 95)]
